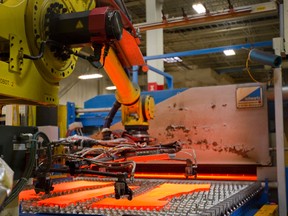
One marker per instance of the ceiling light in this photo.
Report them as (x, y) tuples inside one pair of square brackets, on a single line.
[(199, 8), (172, 60), (229, 52), (90, 76), (110, 88)]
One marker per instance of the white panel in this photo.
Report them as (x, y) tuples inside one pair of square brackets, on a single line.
[(81, 91), (207, 120), (75, 90)]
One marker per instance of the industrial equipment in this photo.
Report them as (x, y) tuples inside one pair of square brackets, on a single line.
[(39, 45), (41, 49), (227, 127)]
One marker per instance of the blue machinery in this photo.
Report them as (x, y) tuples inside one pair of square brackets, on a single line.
[(96, 109)]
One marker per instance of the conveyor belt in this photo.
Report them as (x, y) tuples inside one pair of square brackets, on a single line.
[(151, 198)]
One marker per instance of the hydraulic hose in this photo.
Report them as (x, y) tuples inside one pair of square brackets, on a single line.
[(111, 115)]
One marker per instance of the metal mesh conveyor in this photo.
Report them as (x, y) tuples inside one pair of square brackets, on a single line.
[(150, 198)]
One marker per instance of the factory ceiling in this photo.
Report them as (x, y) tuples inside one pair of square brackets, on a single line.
[(228, 23)]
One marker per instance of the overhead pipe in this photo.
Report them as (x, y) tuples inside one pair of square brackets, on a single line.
[(181, 22), (210, 50), (265, 58), (208, 18), (169, 78)]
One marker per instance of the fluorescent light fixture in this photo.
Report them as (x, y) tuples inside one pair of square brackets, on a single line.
[(90, 76), (199, 8), (229, 52), (110, 88), (173, 59)]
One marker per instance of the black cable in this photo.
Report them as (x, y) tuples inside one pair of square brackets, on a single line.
[(29, 167), (46, 143), (92, 59), (122, 6), (40, 55), (27, 174), (97, 55), (230, 5), (109, 118)]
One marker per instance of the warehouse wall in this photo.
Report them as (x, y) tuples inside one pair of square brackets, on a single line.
[(80, 91), (75, 90), (195, 77)]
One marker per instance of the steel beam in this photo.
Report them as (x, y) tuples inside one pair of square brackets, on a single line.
[(236, 13)]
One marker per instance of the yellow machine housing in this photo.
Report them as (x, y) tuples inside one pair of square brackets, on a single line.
[(26, 28), (24, 81)]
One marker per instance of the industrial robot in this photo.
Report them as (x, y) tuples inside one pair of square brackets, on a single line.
[(40, 42)]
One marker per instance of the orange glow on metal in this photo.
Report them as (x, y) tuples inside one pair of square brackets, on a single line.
[(199, 176), (156, 198), (68, 186), (29, 194), (126, 91), (130, 50), (73, 198), (147, 158)]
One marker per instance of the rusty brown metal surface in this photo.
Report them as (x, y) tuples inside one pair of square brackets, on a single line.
[(207, 120)]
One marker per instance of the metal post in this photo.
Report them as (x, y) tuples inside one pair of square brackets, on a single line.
[(280, 45), (280, 142), (154, 39)]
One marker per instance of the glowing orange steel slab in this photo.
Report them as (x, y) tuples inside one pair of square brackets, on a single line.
[(68, 199), (79, 185), (155, 198), (150, 158), (68, 186), (65, 200), (28, 194)]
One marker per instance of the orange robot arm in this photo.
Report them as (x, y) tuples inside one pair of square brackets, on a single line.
[(116, 48)]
